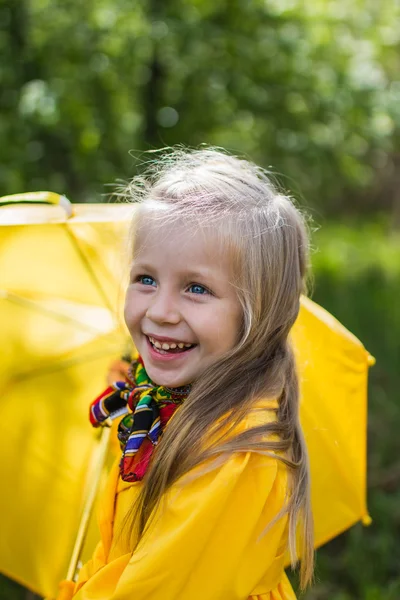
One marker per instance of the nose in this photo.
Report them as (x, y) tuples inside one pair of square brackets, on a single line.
[(163, 308)]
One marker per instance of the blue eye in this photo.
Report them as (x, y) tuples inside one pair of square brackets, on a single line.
[(146, 280), (195, 288)]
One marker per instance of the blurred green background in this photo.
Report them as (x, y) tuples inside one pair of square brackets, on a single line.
[(310, 89)]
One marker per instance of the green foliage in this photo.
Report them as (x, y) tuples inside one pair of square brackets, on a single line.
[(306, 86)]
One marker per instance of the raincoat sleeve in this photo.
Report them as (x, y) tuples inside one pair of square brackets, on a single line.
[(206, 539)]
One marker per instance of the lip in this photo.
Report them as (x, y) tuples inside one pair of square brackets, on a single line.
[(162, 338), (157, 357)]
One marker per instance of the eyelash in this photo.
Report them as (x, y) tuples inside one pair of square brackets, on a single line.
[(206, 292)]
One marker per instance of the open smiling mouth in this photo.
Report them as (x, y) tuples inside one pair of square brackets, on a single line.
[(169, 347)]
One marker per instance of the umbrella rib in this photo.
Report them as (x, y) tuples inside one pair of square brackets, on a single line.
[(16, 299), (88, 267)]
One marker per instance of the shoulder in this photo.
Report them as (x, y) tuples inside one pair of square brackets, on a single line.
[(235, 452), (253, 457), (264, 411), (262, 414), (236, 476)]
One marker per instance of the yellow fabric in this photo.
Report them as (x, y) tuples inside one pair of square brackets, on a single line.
[(205, 541)]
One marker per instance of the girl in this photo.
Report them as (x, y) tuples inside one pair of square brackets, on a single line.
[(213, 481)]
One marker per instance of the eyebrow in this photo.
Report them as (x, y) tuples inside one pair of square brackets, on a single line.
[(142, 266), (199, 274)]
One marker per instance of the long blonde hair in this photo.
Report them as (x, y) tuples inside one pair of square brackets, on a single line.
[(267, 238)]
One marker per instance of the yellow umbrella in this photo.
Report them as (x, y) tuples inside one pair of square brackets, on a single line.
[(58, 304), (333, 368), (59, 290)]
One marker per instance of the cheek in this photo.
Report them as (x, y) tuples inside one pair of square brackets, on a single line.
[(222, 329), (232, 325), (132, 309)]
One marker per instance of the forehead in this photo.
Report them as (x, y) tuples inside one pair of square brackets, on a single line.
[(181, 244)]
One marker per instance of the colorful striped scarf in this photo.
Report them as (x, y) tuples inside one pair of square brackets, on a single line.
[(147, 409)]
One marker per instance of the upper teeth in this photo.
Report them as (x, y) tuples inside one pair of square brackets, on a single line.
[(170, 345)]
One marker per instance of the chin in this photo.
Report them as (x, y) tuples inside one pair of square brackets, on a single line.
[(166, 379), (169, 382)]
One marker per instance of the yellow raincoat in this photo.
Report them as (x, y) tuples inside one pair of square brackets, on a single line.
[(207, 540)]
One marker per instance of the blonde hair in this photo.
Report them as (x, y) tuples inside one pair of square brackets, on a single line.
[(267, 236)]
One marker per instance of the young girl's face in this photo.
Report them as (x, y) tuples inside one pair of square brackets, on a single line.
[(181, 309)]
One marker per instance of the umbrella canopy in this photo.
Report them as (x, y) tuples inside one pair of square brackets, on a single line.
[(60, 297), (59, 294), (333, 371)]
